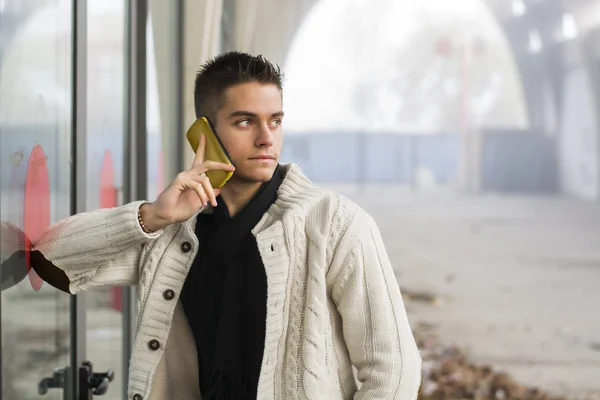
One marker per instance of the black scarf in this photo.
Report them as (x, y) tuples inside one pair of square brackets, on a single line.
[(225, 295)]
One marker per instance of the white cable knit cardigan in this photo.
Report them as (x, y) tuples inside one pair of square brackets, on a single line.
[(333, 299)]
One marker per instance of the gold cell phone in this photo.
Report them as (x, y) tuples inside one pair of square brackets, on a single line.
[(214, 150)]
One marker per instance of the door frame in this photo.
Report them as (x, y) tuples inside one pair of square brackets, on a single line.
[(135, 178), (134, 168), (78, 315)]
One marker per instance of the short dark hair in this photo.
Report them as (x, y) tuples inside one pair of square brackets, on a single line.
[(227, 70)]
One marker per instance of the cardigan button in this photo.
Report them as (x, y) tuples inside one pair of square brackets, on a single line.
[(168, 294), (137, 396), (186, 247), (154, 344)]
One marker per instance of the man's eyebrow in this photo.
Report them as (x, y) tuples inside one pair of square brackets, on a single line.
[(253, 115), (242, 114)]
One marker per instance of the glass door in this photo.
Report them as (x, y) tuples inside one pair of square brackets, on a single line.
[(36, 74), (47, 157), (104, 154)]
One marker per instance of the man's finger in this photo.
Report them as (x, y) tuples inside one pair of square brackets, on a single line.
[(211, 166), (199, 157), (209, 192), (199, 189)]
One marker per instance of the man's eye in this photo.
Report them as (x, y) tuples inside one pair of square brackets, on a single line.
[(244, 123), (275, 123)]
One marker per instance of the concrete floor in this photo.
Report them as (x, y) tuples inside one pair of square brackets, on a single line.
[(518, 278)]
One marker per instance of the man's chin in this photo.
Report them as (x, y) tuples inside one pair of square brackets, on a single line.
[(257, 175)]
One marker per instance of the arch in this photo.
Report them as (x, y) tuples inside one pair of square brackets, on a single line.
[(412, 76)]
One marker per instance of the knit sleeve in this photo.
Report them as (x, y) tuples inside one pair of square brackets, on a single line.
[(98, 248), (375, 325)]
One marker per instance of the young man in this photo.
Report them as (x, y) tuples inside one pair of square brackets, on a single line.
[(271, 288)]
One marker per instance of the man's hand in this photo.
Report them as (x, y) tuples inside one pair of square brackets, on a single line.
[(189, 191)]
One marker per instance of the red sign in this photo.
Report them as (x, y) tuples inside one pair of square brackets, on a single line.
[(108, 192), (444, 47), (36, 216), (108, 199)]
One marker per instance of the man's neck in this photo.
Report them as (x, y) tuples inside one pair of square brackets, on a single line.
[(237, 195)]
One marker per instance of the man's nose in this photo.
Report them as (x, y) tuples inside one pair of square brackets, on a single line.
[(265, 136)]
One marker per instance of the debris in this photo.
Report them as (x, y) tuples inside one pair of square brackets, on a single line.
[(449, 375), (424, 297)]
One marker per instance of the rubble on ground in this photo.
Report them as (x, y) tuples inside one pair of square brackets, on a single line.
[(449, 375)]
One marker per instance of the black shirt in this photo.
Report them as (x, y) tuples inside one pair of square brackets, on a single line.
[(224, 298)]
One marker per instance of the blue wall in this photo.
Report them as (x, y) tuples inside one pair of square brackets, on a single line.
[(519, 162), (512, 161), (373, 157)]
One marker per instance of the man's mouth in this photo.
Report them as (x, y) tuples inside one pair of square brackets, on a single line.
[(263, 157)]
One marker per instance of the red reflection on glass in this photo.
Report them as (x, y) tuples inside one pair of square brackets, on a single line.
[(36, 218), (108, 199), (108, 192)]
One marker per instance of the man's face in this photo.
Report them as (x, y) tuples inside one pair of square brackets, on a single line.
[(249, 126)]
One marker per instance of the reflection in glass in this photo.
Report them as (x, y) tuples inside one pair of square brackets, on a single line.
[(165, 134), (35, 138), (105, 144)]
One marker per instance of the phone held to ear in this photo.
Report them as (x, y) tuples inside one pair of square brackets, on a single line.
[(214, 150)]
